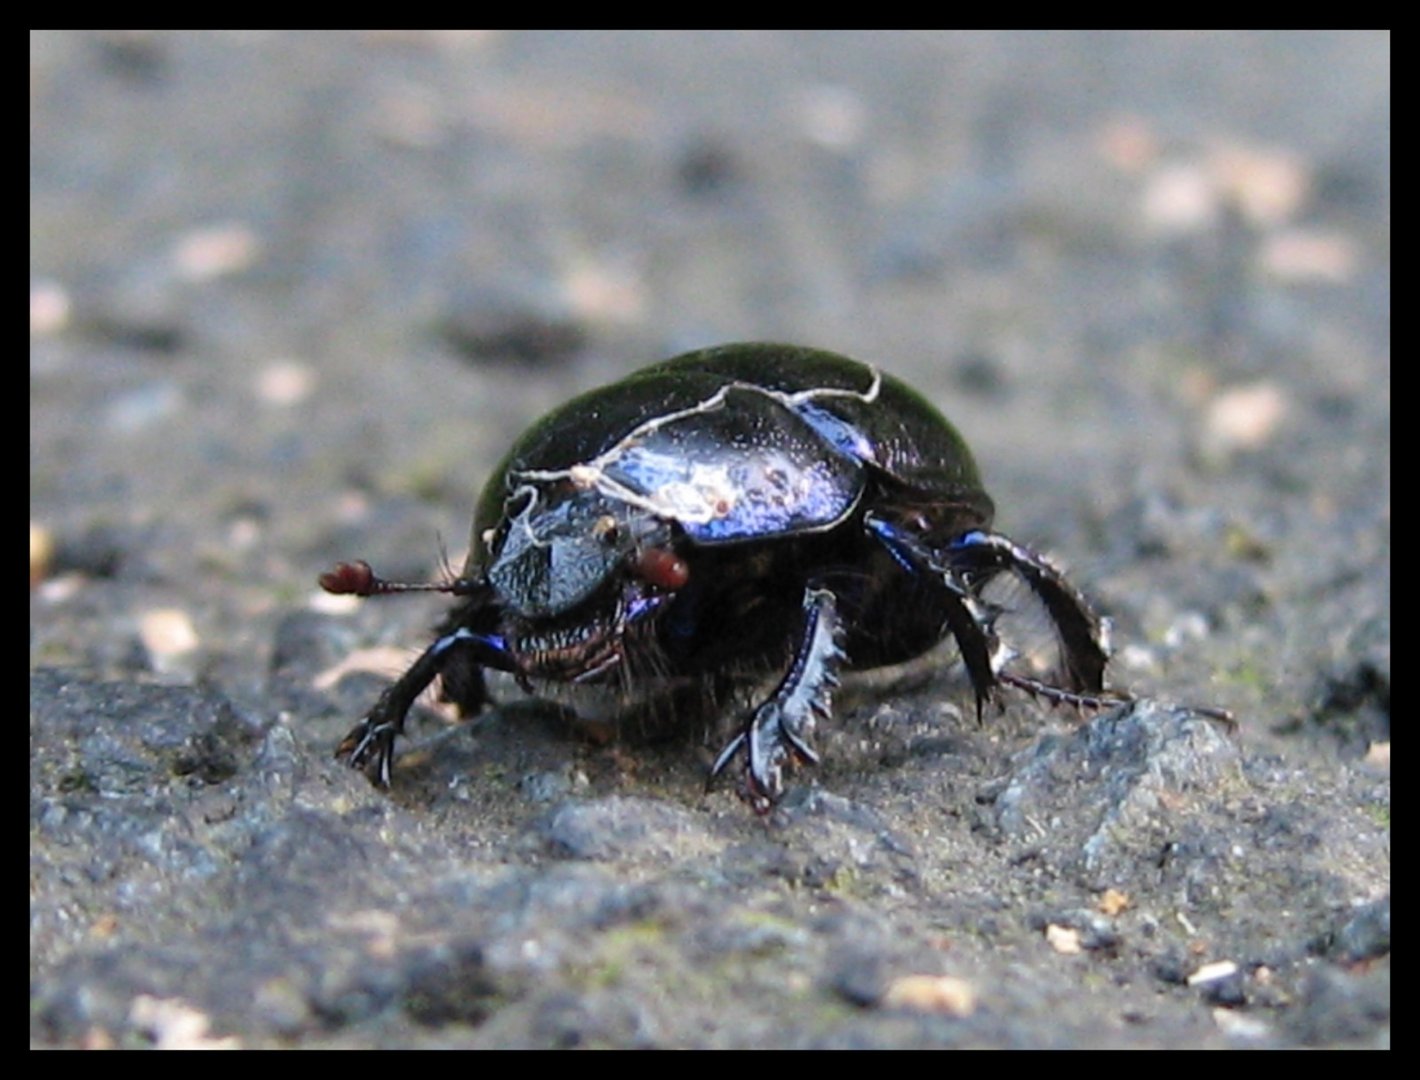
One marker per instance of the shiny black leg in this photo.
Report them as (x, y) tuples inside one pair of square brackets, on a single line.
[(780, 729)]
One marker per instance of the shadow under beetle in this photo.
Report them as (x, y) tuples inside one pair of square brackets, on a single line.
[(733, 514)]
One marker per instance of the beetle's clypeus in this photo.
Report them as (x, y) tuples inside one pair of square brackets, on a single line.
[(734, 515)]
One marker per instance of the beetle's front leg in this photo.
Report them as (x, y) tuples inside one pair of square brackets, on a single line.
[(370, 744), (779, 730)]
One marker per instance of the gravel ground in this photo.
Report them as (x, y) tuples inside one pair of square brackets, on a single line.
[(292, 295)]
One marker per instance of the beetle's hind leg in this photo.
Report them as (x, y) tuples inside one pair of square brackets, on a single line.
[(1084, 650), (779, 730)]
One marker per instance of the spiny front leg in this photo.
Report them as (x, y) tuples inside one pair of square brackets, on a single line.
[(779, 730), (370, 744)]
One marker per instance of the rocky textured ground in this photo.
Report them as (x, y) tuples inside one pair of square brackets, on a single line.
[(292, 295)]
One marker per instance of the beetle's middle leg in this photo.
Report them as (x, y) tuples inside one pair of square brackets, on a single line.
[(779, 730), (967, 617)]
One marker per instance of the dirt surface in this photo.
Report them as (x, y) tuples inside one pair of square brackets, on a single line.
[(292, 295)]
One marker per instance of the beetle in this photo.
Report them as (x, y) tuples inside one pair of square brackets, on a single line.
[(751, 513)]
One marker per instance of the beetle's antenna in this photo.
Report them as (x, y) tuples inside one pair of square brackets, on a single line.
[(359, 579)]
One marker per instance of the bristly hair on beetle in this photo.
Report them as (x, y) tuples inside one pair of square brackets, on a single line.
[(744, 512)]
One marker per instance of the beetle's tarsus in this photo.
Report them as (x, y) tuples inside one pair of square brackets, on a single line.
[(1216, 714), (1107, 699), (370, 748), (1058, 696)]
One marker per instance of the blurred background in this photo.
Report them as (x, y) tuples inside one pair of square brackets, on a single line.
[(292, 294)]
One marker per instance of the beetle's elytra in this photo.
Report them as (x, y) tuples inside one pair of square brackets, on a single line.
[(739, 513)]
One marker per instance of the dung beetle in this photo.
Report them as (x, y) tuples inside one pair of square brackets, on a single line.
[(722, 520)]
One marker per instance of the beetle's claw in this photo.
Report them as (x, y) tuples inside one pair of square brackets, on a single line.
[(765, 749), (732, 748), (769, 742), (370, 748), (770, 746)]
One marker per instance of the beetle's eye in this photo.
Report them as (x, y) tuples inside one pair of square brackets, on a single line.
[(662, 568), (606, 530)]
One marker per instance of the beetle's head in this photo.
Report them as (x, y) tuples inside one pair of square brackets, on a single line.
[(574, 570)]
